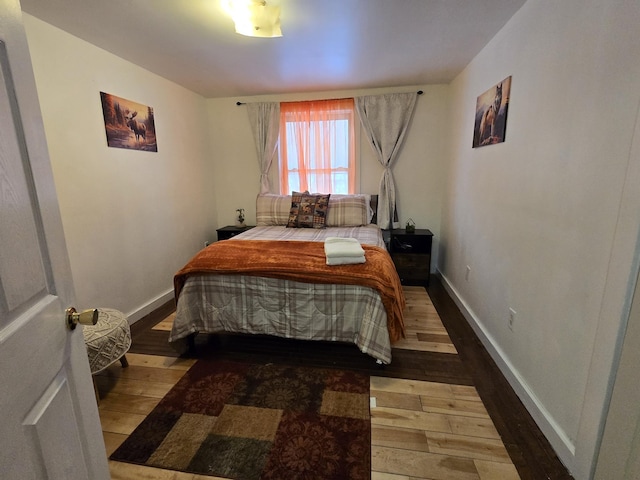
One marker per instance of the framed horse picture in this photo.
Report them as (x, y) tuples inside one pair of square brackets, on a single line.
[(491, 115), (128, 124)]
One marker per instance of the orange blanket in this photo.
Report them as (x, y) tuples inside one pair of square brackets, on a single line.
[(304, 262)]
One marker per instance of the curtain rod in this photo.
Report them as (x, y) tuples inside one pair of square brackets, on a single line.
[(419, 92)]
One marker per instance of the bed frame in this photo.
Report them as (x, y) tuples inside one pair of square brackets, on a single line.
[(190, 342)]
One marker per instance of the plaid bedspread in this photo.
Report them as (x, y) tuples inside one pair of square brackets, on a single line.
[(285, 308), (367, 235)]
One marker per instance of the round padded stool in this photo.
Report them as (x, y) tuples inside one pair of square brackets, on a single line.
[(108, 340)]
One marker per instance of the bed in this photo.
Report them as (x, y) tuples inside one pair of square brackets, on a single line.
[(274, 279)]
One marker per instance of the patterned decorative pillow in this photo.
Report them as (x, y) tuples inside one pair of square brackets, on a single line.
[(348, 211), (307, 210), (272, 209)]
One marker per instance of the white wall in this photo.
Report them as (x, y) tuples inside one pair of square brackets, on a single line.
[(537, 218), (542, 220), (131, 218), (419, 171)]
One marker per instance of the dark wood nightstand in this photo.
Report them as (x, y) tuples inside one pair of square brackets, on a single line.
[(225, 233), (411, 254)]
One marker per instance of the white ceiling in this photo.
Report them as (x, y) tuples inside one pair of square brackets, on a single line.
[(326, 44)]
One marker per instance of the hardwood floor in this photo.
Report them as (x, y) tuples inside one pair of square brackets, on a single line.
[(443, 410)]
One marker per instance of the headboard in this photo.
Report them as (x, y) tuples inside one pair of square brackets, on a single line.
[(374, 206)]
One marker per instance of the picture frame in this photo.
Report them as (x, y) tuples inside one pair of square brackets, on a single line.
[(492, 107), (128, 124)]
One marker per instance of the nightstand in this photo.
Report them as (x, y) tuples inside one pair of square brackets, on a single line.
[(225, 233), (411, 254)]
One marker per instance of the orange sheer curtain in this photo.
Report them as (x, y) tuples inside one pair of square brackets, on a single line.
[(317, 150)]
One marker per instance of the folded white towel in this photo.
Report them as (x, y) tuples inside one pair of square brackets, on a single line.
[(341, 240), (345, 260), (342, 247)]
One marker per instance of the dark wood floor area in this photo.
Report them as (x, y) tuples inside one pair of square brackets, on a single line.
[(529, 450)]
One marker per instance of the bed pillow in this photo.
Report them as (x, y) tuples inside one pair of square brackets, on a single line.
[(344, 210), (308, 210), (272, 209), (348, 211)]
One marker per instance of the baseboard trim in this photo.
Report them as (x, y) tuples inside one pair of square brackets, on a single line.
[(558, 439), (150, 307)]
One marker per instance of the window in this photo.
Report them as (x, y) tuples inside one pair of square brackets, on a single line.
[(317, 151)]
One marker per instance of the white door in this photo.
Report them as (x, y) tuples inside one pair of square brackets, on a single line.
[(619, 455), (49, 425)]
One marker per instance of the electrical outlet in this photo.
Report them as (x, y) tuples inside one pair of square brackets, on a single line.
[(512, 318), (466, 274), (207, 243)]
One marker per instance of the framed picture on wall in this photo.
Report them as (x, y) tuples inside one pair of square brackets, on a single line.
[(491, 115), (128, 124)]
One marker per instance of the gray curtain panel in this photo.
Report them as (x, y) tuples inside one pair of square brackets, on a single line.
[(385, 119), (265, 125)]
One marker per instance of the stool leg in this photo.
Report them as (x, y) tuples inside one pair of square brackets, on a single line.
[(95, 389), (123, 361)]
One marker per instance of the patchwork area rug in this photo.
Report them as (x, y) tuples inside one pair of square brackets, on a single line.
[(245, 421)]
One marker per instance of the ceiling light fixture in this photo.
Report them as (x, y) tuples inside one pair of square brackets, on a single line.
[(254, 18)]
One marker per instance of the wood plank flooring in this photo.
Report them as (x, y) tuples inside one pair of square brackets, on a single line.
[(431, 419)]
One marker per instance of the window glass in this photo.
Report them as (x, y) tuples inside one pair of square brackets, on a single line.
[(317, 151)]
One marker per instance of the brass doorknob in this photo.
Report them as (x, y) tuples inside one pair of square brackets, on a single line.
[(86, 317)]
